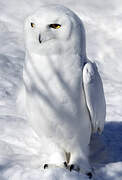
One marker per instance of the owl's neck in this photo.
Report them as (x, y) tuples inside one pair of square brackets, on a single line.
[(67, 56)]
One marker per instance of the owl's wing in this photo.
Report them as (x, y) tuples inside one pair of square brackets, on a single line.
[(94, 96)]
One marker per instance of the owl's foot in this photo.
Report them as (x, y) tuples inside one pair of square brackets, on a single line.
[(64, 165), (74, 167)]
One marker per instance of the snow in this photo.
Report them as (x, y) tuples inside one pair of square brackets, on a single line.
[(20, 148)]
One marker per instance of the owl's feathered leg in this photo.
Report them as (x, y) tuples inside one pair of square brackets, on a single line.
[(74, 162), (58, 159), (64, 165), (79, 162)]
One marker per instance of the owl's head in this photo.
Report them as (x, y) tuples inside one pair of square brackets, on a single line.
[(54, 29)]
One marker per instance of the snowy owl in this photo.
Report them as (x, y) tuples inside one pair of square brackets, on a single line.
[(63, 90)]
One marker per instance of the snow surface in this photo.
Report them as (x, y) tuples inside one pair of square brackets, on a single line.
[(20, 148)]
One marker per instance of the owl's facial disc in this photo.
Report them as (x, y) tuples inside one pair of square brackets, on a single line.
[(50, 26), (56, 32)]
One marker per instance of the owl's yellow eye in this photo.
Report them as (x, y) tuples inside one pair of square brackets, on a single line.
[(32, 25), (55, 26)]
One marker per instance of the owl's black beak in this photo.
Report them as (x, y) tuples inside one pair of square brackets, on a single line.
[(40, 38)]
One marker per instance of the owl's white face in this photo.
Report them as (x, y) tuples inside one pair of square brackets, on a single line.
[(54, 29)]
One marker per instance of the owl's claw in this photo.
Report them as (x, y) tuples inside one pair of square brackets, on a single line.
[(89, 174), (74, 167), (65, 164), (71, 167), (45, 166)]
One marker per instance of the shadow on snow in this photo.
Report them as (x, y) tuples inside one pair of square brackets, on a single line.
[(107, 148)]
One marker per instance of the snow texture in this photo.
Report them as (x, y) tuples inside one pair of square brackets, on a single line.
[(20, 148)]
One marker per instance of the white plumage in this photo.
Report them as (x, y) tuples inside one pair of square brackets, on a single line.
[(63, 90)]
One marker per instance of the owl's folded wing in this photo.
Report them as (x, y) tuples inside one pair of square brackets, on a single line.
[(94, 96)]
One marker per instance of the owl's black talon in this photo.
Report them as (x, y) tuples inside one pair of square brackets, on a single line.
[(89, 174), (74, 167), (65, 165), (45, 166), (71, 167)]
